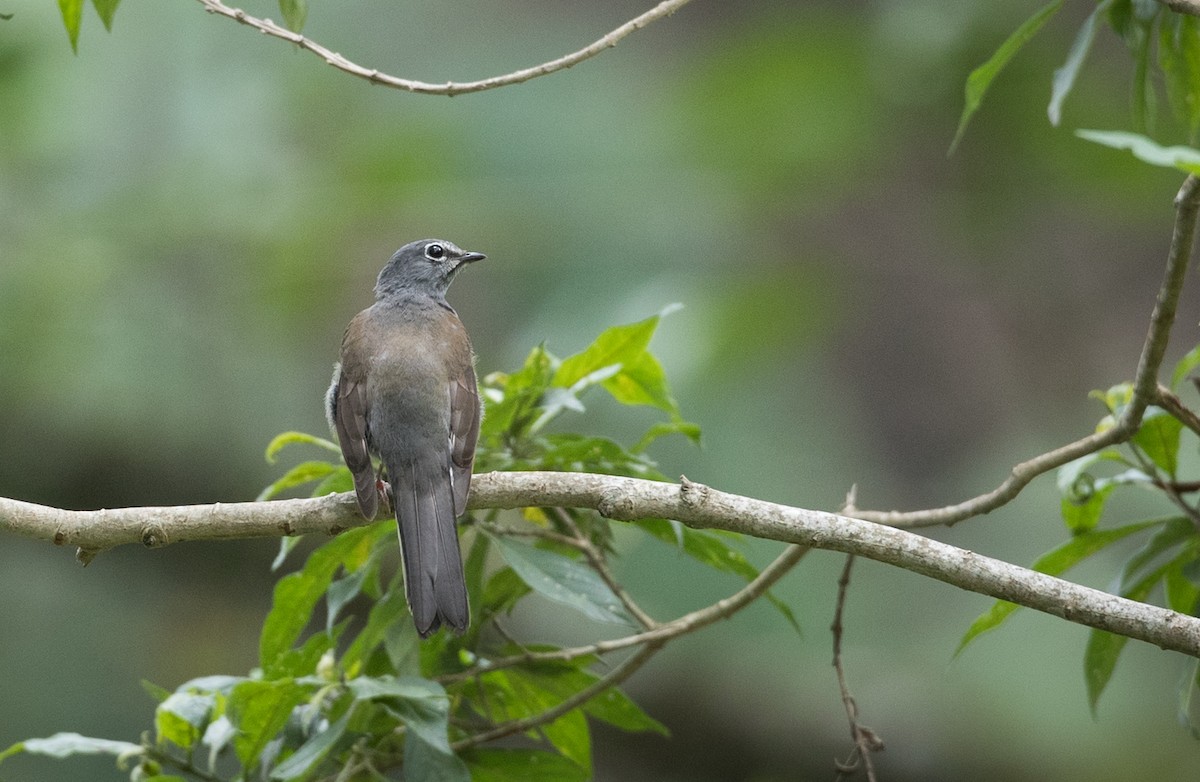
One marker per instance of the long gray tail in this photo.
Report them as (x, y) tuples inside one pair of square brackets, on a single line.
[(433, 569)]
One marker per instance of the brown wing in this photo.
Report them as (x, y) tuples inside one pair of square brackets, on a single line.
[(350, 421), (465, 415)]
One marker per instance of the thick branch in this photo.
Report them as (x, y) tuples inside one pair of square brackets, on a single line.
[(629, 499), (268, 27), (1145, 389), (1190, 7)]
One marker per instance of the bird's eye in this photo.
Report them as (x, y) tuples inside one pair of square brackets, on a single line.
[(434, 251)]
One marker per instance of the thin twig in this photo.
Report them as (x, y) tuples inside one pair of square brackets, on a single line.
[(611, 679), (374, 76), (596, 559), (665, 631), (866, 740), (1145, 384), (1190, 7), (1167, 400)]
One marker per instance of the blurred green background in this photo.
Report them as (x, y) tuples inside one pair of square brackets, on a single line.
[(190, 213)]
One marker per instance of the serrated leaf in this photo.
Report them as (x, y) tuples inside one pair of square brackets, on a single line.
[(1182, 158), (1054, 563), (292, 438), (294, 13), (1064, 77), (106, 9), (72, 14), (1158, 437), (564, 581), (1185, 366), (260, 710), (981, 78), (522, 765)]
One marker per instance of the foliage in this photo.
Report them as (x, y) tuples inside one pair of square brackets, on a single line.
[(1145, 27), (346, 690), (1169, 556)]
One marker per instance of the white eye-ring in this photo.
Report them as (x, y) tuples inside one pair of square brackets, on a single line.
[(434, 251)]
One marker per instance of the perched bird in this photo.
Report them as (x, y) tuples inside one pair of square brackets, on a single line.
[(404, 390)]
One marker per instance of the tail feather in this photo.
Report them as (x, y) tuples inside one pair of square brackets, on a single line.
[(433, 570)]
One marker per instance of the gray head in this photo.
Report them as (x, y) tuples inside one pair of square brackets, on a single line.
[(425, 266)]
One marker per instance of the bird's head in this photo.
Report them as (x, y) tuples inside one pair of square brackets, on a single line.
[(425, 266)]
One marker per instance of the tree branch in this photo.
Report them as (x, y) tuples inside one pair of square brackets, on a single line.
[(268, 27), (1145, 389), (1190, 7), (629, 499)]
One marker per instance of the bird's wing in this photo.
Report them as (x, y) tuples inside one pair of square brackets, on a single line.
[(350, 420), (465, 415)]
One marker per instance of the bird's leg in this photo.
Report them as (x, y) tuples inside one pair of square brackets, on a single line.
[(385, 492)]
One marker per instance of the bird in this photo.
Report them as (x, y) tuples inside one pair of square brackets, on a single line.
[(404, 389)]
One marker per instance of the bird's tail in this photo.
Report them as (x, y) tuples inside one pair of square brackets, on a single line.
[(433, 569)]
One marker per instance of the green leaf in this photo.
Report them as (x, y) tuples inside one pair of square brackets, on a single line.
[(617, 709), (106, 9), (1179, 60), (302, 473), (1182, 158), (72, 14), (181, 718), (294, 13), (570, 736), (981, 78), (1189, 701), (291, 438), (1186, 364), (642, 381), (522, 765), (297, 593), (341, 592), (618, 345), (1104, 648), (564, 580), (422, 705), (1054, 563), (1174, 532), (1064, 77), (1158, 437), (217, 736), (65, 745), (427, 764), (1183, 595), (689, 430), (313, 751), (513, 399), (387, 611), (259, 710)]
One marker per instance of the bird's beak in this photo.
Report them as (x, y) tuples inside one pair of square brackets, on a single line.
[(471, 258)]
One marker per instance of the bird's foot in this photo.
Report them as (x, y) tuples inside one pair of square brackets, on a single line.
[(385, 492)]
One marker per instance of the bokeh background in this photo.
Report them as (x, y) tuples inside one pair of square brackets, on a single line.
[(191, 212)]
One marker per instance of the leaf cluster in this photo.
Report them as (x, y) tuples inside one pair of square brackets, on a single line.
[(345, 689), (1167, 562)]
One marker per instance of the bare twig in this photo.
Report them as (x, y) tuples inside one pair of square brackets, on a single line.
[(865, 740), (1190, 7), (630, 499), (1167, 400), (598, 562), (374, 76), (664, 631), (611, 679), (1145, 385)]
